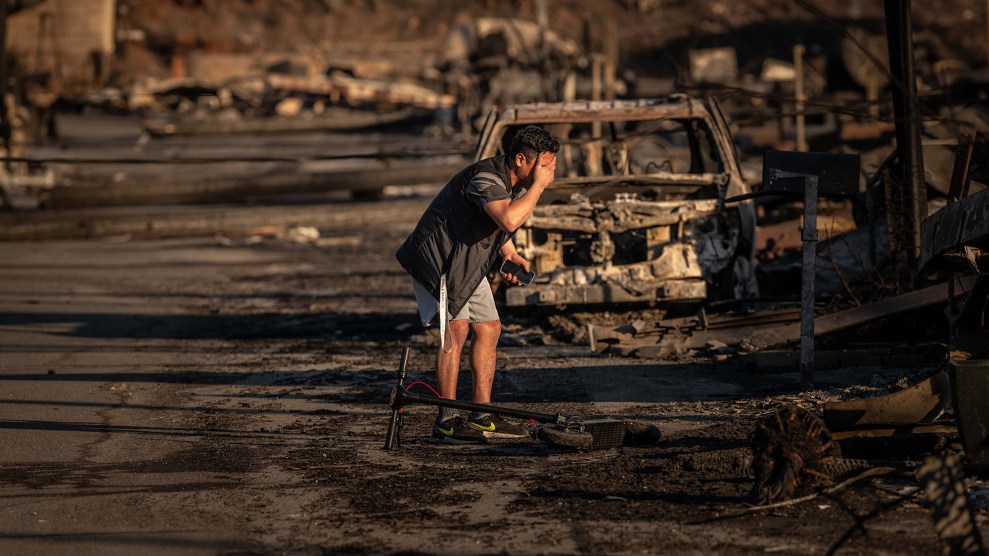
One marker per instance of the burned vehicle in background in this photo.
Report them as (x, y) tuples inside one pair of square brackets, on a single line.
[(637, 212)]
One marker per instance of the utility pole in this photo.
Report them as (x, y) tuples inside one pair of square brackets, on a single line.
[(906, 112)]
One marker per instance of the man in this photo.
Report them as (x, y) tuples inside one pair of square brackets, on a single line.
[(466, 231)]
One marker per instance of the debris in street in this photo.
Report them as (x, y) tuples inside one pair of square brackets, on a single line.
[(333, 102), (885, 356), (300, 234), (761, 330), (790, 450), (959, 230), (924, 402)]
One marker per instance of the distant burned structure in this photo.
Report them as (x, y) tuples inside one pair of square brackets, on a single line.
[(66, 44)]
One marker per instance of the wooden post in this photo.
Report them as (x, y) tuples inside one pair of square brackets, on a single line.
[(799, 96), (610, 58), (593, 155), (872, 95)]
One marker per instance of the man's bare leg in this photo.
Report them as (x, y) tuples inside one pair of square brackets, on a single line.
[(483, 356), (448, 363), (482, 363)]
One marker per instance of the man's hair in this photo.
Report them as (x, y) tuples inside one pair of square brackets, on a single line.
[(531, 141)]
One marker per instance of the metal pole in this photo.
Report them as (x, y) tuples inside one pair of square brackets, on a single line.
[(403, 398), (907, 117), (807, 294), (393, 422)]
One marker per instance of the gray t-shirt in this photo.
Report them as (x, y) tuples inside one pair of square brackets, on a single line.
[(486, 187)]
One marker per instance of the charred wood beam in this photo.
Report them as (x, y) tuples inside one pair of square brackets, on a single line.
[(784, 361), (760, 336), (855, 316), (642, 334)]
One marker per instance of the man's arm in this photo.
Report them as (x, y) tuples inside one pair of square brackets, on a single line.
[(509, 214)]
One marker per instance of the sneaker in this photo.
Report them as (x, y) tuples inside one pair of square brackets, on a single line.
[(456, 431), (493, 426)]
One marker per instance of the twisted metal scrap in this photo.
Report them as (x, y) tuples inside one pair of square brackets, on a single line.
[(790, 451)]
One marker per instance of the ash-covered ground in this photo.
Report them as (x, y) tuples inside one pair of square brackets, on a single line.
[(229, 396)]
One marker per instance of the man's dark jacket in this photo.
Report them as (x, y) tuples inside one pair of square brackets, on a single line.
[(457, 237)]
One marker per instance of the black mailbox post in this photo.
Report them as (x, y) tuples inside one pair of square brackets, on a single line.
[(811, 175)]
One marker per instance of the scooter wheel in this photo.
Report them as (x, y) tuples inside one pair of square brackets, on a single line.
[(560, 437)]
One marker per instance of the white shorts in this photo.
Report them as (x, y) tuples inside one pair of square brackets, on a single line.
[(479, 308)]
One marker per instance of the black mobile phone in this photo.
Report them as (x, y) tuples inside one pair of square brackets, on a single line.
[(515, 269)]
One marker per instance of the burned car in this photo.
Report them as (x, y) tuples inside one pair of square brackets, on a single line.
[(637, 212)]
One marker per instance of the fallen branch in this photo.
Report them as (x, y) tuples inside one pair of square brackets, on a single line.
[(874, 472)]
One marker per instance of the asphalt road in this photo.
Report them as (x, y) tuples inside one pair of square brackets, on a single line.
[(116, 437), (152, 392), (226, 395)]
